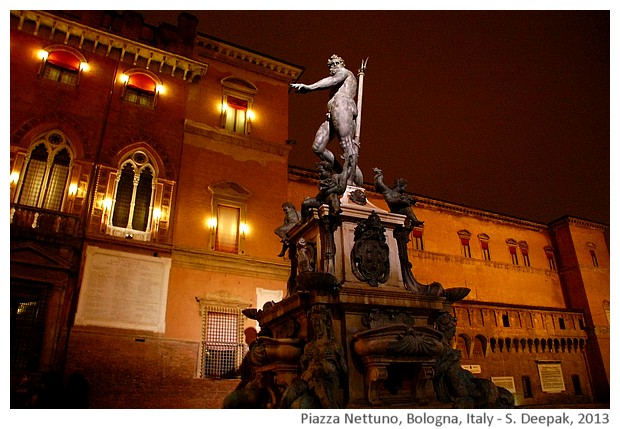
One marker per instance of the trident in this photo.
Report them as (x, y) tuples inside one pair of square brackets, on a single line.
[(360, 92)]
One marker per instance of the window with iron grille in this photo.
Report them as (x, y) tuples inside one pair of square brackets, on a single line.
[(223, 342)]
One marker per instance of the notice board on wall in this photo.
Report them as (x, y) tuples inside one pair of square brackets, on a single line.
[(123, 290), (551, 377)]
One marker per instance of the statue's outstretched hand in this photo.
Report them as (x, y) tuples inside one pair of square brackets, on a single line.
[(300, 87)]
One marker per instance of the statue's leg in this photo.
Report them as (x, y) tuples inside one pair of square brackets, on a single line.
[(321, 139), (343, 119)]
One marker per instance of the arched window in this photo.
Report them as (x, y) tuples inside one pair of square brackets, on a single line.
[(44, 180), (132, 205), (141, 87), (62, 64)]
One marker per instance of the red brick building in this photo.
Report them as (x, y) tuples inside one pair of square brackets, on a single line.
[(148, 169)]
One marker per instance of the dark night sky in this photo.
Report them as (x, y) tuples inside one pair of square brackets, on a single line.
[(505, 111)]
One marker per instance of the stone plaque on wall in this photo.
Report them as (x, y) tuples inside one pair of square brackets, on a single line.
[(551, 378), (505, 382), (123, 290)]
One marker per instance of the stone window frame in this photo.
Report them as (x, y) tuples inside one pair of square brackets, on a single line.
[(221, 302), (484, 246), (55, 142), (140, 159), (62, 72), (464, 238), (243, 90), (137, 95), (229, 194)]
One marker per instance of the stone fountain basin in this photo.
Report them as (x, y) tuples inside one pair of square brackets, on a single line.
[(286, 350), (375, 342)]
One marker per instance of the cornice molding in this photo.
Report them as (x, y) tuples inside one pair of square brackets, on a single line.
[(79, 34), (568, 220), (213, 48)]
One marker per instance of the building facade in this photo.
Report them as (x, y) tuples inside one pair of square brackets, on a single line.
[(148, 170)]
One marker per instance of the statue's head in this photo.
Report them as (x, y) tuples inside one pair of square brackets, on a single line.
[(446, 324), (401, 183), (334, 62), (324, 166), (321, 321)]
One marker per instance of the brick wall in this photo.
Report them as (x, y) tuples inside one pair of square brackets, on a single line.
[(134, 370)]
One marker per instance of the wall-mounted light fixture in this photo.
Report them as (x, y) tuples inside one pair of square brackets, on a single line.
[(73, 189), (14, 178), (243, 230)]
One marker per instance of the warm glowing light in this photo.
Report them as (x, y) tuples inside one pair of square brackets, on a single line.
[(73, 189), (224, 107), (107, 204), (212, 222), (43, 54), (160, 89), (124, 78), (251, 115), (156, 213), (243, 228), (14, 177), (84, 66)]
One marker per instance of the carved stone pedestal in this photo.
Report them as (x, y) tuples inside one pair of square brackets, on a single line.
[(371, 335)]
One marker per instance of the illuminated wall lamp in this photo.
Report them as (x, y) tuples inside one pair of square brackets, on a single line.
[(212, 223), (73, 190), (156, 214), (106, 204), (243, 229), (14, 178)]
